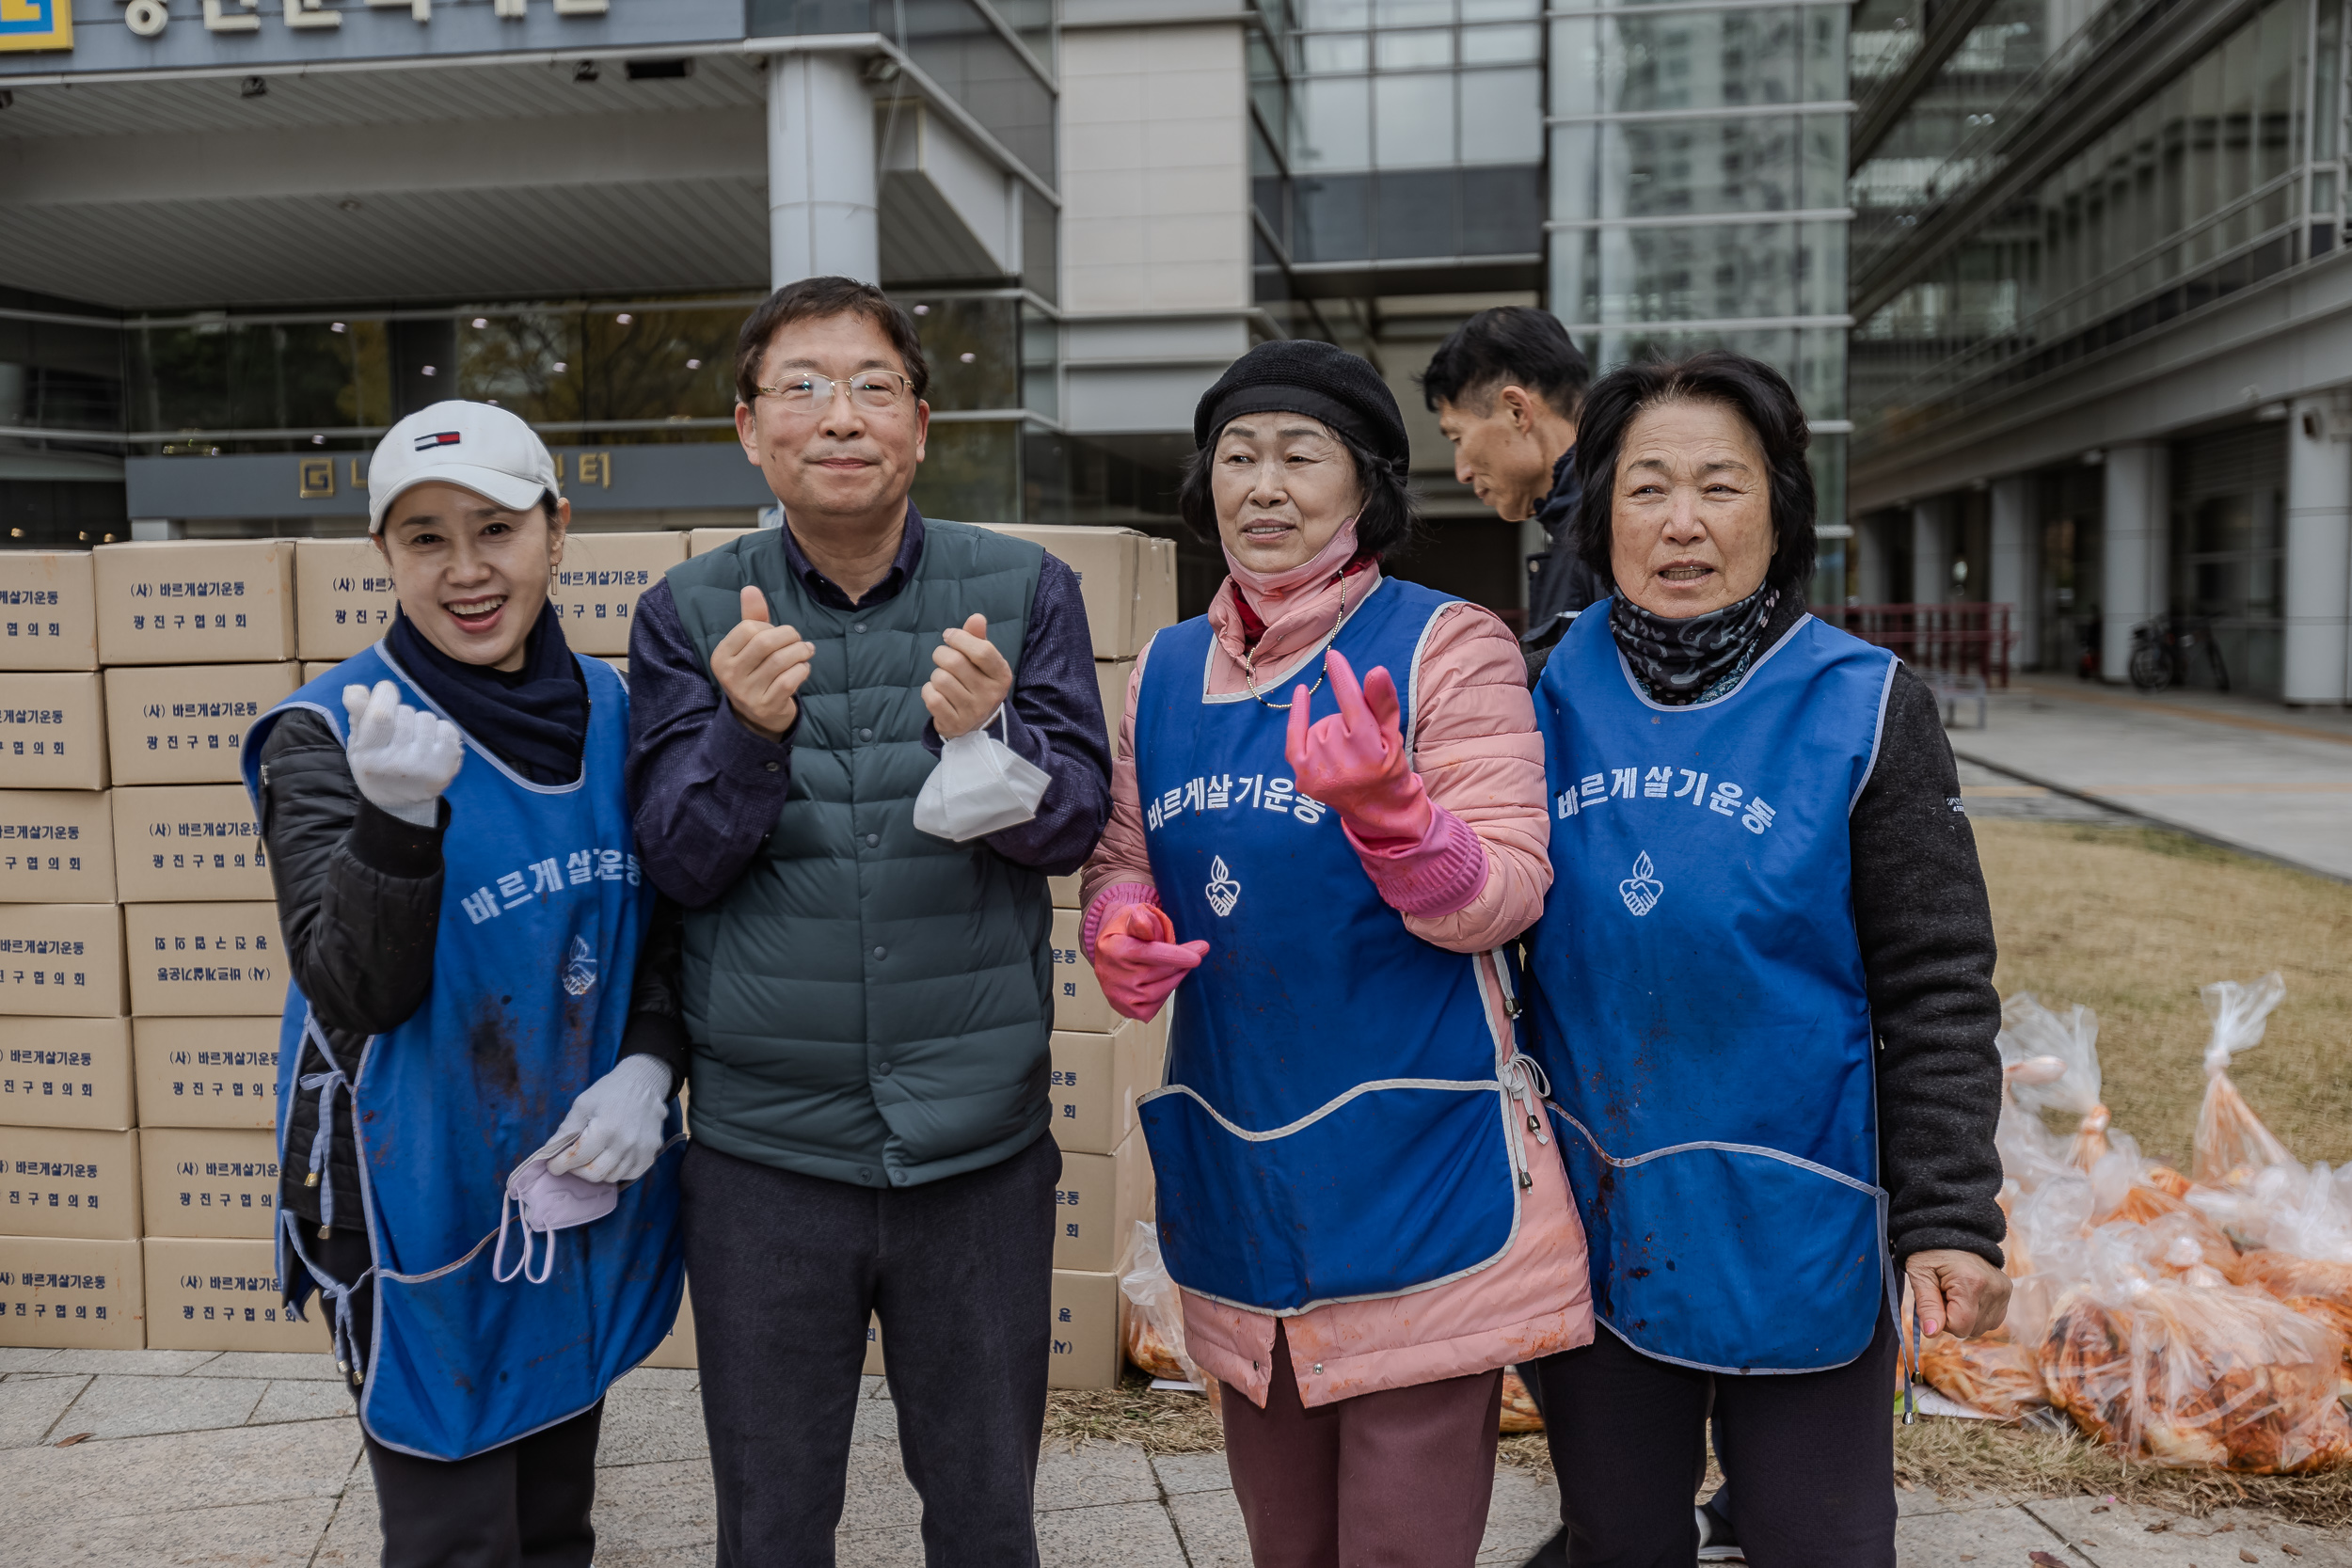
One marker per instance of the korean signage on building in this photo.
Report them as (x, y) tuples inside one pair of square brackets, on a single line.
[(49, 38)]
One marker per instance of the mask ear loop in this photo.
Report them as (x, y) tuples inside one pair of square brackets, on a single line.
[(512, 1207)]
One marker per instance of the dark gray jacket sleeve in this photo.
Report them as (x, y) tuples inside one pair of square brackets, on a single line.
[(1926, 929)]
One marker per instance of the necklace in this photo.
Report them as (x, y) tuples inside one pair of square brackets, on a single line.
[(1249, 664)]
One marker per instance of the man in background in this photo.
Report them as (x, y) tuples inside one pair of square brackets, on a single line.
[(1506, 388)]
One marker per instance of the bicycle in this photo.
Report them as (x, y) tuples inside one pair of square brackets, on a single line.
[(2164, 648)]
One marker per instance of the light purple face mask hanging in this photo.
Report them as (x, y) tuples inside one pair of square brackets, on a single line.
[(546, 1203)]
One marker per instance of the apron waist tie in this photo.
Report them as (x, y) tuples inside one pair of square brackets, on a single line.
[(338, 1295), (323, 1142), (1524, 1080)]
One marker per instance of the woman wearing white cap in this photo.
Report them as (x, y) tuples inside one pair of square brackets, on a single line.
[(477, 964)]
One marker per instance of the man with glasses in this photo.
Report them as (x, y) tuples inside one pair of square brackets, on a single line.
[(869, 1005)]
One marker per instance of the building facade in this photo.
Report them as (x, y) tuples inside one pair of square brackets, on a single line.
[(244, 236), (2102, 365)]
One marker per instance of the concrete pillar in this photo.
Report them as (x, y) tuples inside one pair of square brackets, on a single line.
[(1872, 584), (2137, 533), (2318, 563), (823, 178), (2013, 581), (1931, 551)]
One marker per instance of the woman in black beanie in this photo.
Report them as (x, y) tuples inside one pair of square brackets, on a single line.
[(1355, 1190)]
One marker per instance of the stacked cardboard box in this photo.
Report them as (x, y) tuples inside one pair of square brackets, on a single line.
[(142, 970), (70, 1264)]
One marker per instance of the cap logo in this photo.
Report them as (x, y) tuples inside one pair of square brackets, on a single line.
[(445, 439)]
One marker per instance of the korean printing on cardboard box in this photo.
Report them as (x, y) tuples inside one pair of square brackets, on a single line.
[(206, 1071), (175, 725), (213, 1293), (67, 1072), (343, 599), (53, 731), (1097, 1202), (209, 1181), (218, 960), (70, 1294), (62, 961), (598, 582), (70, 1181), (188, 601), (186, 841), (1098, 1078), (57, 846), (48, 610)]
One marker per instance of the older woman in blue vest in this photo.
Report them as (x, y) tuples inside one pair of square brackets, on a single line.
[(1365, 1215), (1763, 991), (483, 1002)]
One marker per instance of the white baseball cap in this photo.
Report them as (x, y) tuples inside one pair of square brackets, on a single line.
[(476, 445)]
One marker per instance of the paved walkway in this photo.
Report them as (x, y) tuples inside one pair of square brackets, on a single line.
[(2249, 774), (170, 1459)]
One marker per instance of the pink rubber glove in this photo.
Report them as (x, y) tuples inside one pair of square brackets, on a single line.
[(1353, 760), (1140, 961)]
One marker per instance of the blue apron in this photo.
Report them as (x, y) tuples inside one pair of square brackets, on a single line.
[(1697, 992), (542, 917), (1336, 1123)]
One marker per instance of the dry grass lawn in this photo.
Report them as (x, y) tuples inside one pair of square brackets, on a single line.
[(2131, 921)]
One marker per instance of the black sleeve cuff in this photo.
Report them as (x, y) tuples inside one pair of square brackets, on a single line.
[(390, 847), (660, 1036)]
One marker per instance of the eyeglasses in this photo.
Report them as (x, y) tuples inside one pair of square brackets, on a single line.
[(808, 392)]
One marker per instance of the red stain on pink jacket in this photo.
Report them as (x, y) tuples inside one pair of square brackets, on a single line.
[(1475, 746)]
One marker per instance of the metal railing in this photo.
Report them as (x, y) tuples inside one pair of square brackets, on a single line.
[(1937, 640)]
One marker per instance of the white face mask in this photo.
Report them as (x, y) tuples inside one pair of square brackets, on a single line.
[(548, 1203), (981, 785)]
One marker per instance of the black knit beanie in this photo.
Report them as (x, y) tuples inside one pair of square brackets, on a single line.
[(1299, 376)]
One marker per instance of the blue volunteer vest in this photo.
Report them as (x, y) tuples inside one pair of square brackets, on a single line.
[(1336, 1123), (542, 917), (1696, 990)]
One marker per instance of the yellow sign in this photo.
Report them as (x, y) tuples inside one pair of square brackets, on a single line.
[(36, 24), (318, 478)]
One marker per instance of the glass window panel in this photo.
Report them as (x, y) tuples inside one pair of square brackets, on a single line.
[(986, 330), (1502, 45), (1502, 212), (1335, 123), (1406, 13), (1704, 272), (1666, 169), (1413, 117), (1334, 13), (1574, 66), (1334, 217), (1416, 214), (1501, 10), (1503, 117), (1338, 52), (1413, 51), (958, 48), (971, 472), (1825, 55), (1685, 60)]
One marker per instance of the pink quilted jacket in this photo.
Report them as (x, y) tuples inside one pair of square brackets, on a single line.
[(1476, 748)]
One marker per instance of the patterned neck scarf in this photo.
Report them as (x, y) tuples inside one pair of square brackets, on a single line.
[(1685, 660)]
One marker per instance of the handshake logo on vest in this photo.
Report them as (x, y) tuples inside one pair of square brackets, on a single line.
[(1643, 889), (1224, 893)]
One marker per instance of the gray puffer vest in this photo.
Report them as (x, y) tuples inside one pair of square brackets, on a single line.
[(869, 1004)]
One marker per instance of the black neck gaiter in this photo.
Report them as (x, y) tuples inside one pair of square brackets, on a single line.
[(1679, 659)]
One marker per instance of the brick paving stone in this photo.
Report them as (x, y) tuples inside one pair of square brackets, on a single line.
[(30, 1406), (1114, 1535), (1095, 1474), (1209, 1523), (194, 1471), (317, 1368), (2119, 1536), (304, 1399), (280, 1534), (117, 1406), (1192, 1472), (1994, 1537)]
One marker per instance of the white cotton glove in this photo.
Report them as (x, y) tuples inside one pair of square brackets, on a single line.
[(619, 1120), (400, 758)]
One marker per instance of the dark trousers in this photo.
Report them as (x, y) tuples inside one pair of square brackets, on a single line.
[(524, 1505), (1813, 1454), (785, 1269), (1398, 1479)]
